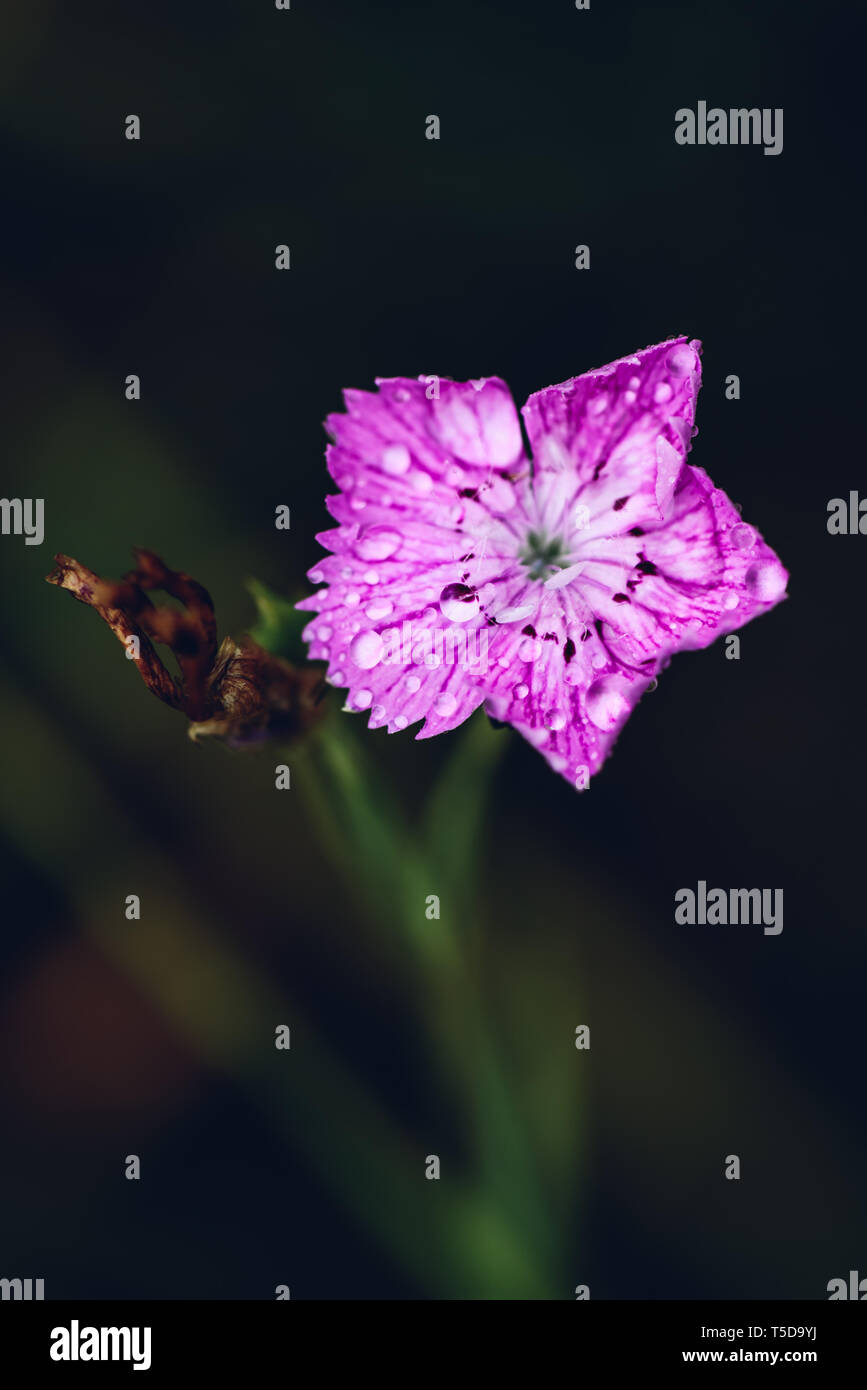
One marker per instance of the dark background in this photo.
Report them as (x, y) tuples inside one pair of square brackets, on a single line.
[(411, 256)]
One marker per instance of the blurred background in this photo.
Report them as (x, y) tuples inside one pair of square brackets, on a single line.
[(409, 1038)]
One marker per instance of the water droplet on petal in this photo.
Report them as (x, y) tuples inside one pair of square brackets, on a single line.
[(316, 576), (606, 704), (634, 383), (445, 704), (598, 659), (530, 649), (395, 459), (743, 536), (422, 482), (337, 678), (629, 397), (413, 684), (370, 577), (662, 393), (352, 600), (401, 394), (459, 603), (681, 360), (366, 650), (362, 698), (730, 601), (379, 608), (377, 714), (357, 504), (555, 720), (767, 581), (400, 721), (378, 543), (325, 633), (521, 691)]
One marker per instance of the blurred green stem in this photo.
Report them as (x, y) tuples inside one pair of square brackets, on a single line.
[(397, 867)]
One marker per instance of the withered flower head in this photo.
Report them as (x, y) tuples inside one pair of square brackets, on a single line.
[(237, 691)]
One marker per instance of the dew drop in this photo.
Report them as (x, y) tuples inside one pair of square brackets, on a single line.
[(378, 543), (316, 576), (413, 684), (521, 691), (422, 482), (681, 360), (370, 577), (459, 603), (324, 633), (357, 504), (606, 704), (401, 394), (634, 383), (662, 393), (530, 649), (445, 704), (380, 608), (629, 397), (555, 720), (352, 599), (767, 581), (395, 459), (337, 678), (743, 536), (362, 698), (377, 714), (400, 721), (730, 601), (366, 650)]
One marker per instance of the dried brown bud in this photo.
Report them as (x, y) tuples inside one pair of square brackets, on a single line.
[(239, 693)]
